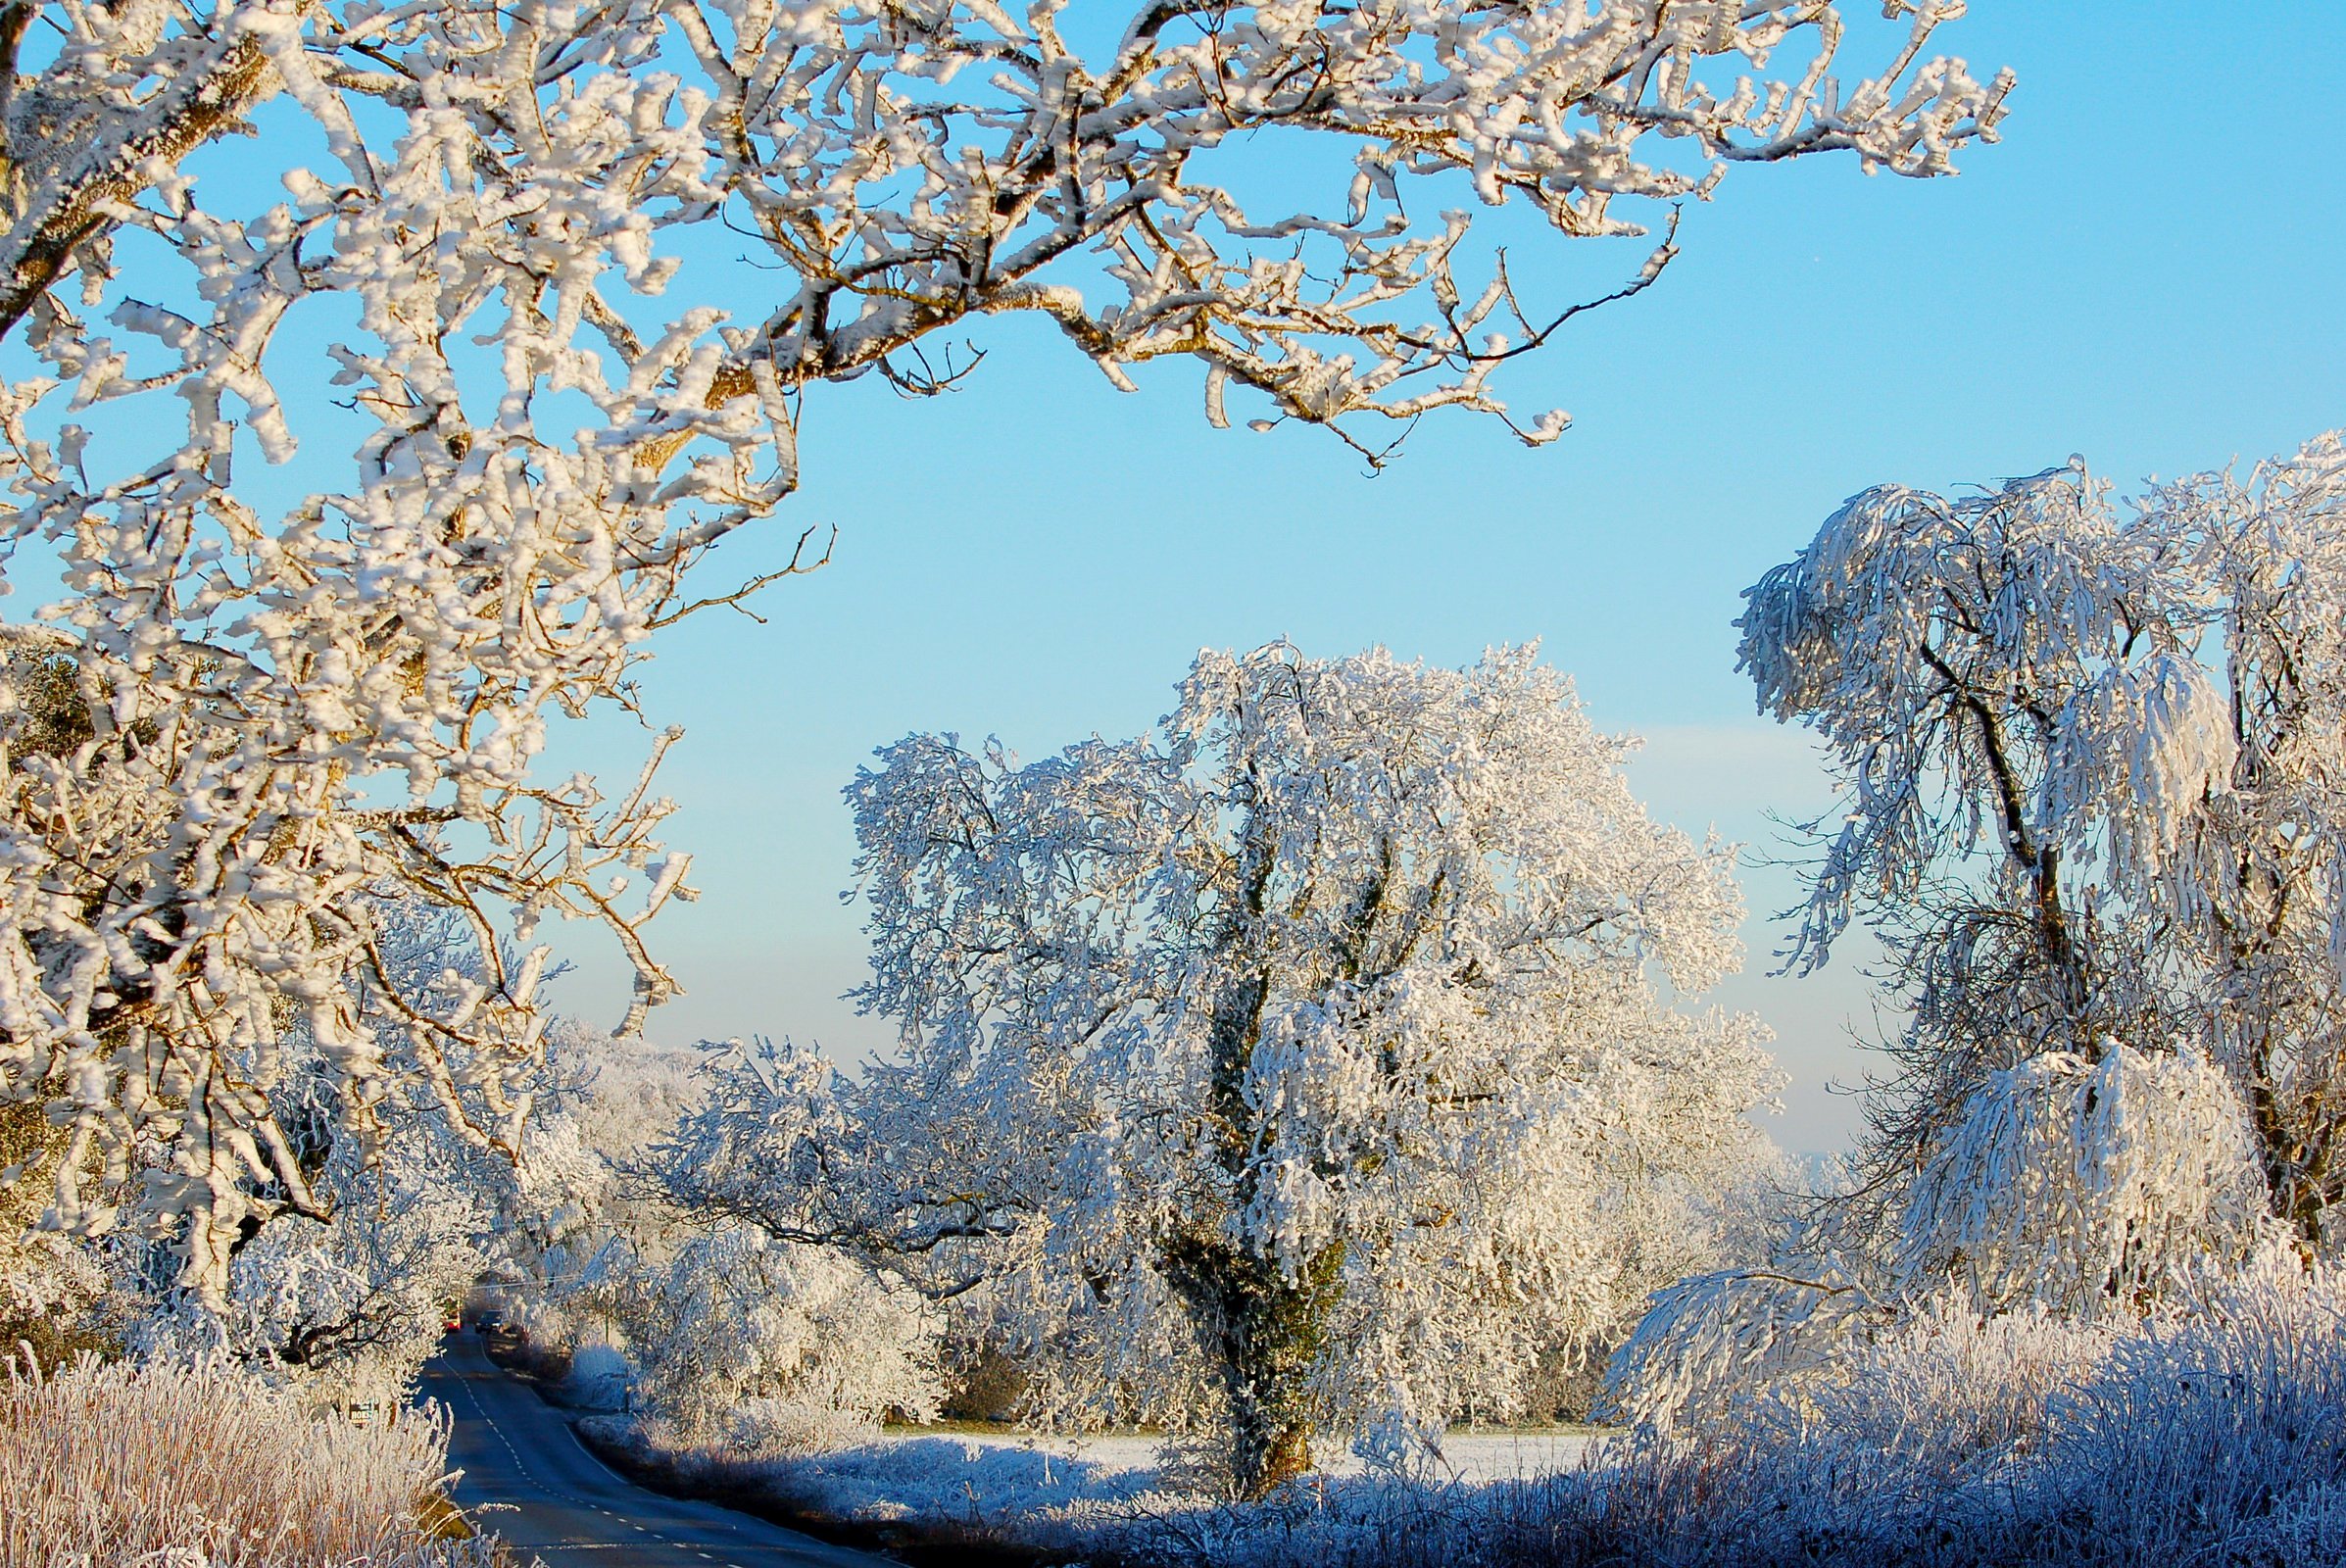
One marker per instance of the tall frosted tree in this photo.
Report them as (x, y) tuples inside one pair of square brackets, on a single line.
[(1303, 1061)]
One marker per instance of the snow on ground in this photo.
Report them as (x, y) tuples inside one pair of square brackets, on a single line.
[(1052, 1485), (1514, 1455), (1473, 1457), (978, 1481)]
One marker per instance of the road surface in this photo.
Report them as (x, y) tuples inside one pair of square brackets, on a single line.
[(527, 1477)]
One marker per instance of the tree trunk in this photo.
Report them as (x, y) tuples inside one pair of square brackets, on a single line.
[(1266, 1333)]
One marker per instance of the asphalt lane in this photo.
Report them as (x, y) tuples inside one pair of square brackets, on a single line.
[(527, 1477)]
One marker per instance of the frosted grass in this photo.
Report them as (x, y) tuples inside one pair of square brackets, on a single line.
[(207, 1467)]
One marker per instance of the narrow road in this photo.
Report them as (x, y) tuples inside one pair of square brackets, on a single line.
[(527, 1477)]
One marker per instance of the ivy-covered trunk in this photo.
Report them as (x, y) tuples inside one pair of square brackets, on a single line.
[(1266, 1333)]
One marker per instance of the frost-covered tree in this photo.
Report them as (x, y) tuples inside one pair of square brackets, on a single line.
[(1303, 1061), (585, 1219), (2093, 804), (1935, 647), (2090, 751), (47, 1282), (257, 709), (349, 1307)]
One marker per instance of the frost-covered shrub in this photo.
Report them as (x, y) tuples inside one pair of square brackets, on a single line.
[(777, 1347), (2231, 1420), (598, 1377), (1946, 1396), (2216, 1425), (1709, 1342), (801, 1421), (2067, 1186), (1911, 1438), (2086, 1186), (209, 1467), (550, 1328)]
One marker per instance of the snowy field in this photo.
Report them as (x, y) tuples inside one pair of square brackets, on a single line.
[(1061, 1491), (1472, 1457)]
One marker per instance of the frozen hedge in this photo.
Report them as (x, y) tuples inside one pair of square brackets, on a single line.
[(2213, 1436)]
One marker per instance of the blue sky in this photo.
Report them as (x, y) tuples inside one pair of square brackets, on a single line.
[(2143, 271)]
